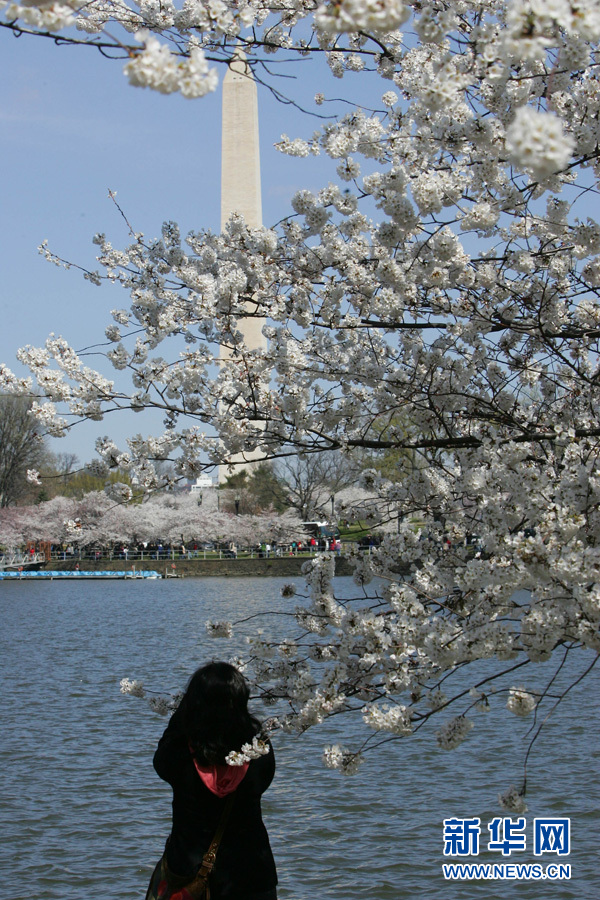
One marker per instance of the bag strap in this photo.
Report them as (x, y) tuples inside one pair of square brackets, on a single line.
[(209, 858)]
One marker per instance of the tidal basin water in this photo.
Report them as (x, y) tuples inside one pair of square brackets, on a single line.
[(82, 812)]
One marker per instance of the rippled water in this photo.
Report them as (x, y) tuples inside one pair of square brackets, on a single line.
[(83, 812)]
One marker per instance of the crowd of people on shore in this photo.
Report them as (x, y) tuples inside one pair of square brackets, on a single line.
[(190, 550)]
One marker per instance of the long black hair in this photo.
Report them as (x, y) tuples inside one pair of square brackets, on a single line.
[(215, 712)]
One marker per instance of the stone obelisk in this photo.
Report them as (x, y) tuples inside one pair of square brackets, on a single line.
[(240, 185), (240, 155)]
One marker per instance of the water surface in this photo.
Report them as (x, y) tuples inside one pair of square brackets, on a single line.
[(83, 812)]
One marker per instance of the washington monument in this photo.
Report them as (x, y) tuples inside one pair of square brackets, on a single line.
[(240, 154), (240, 184)]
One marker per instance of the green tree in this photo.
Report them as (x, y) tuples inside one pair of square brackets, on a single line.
[(396, 461), (255, 491), (63, 476), (22, 447)]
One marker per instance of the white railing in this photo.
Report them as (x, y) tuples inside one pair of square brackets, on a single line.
[(17, 560)]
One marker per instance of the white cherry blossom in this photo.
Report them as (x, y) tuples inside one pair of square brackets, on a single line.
[(521, 702), (536, 141)]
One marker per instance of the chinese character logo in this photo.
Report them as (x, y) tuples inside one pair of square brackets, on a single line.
[(552, 836), (461, 837), (511, 839)]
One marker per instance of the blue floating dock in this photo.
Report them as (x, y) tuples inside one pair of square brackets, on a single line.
[(71, 574)]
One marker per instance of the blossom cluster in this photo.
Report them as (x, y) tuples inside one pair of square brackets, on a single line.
[(219, 629), (133, 687), (537, 141), (453, 733), (513, 800), (156, 67), (361, 15), (384, 718), (257, 748), (521, 702), (346, 761)]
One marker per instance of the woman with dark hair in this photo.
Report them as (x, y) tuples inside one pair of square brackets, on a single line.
[(211, 721)]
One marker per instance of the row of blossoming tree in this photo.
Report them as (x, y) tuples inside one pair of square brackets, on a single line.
[(439, 298), (97, 522)]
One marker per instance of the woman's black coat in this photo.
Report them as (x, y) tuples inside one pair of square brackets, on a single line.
[(245, 862)]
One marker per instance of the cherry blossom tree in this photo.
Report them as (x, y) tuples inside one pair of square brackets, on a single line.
[(178, 519), (96, 520), (48, 521), (11, 533), (447, 280)]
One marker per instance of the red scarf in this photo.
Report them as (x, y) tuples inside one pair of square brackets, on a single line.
[(221, 780)]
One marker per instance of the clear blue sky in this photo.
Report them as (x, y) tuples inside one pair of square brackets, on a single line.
[(71, 128)]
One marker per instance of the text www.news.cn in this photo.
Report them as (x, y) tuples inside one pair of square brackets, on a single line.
[(516, 871)]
